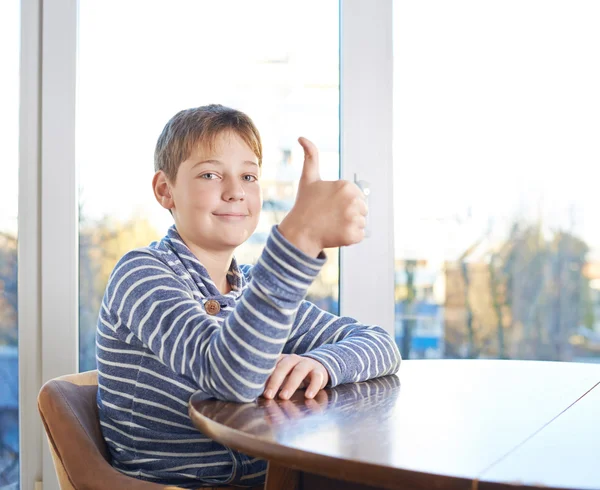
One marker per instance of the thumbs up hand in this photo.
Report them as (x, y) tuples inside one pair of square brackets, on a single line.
[(326, 214)]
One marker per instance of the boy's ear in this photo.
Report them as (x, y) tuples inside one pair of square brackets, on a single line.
[(162, 190)]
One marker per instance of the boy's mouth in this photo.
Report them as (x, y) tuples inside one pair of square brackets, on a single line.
[(231, 216)]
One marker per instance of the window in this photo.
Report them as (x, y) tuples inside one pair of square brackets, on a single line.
[(186, 54), (496, 206), (9, 117)]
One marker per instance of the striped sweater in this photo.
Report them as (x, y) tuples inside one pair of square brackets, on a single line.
[(156, 345)]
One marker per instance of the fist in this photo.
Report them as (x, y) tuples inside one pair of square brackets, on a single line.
[(326, 214)]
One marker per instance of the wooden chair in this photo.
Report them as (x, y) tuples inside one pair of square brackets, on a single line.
[(69, 413)]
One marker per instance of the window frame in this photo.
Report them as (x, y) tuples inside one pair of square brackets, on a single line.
[(29, 246), (366, 111)]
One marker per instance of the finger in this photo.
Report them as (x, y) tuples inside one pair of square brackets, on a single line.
[(310, 170), (281, 357), (360, 222), (356, 208), (362, 207), (322, 398), (269, 382), (316, 383), (357, 235), (266, 386), (283, 368), (296, 377)]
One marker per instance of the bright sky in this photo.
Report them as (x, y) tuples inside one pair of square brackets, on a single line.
[(496, 104), (497, 107)]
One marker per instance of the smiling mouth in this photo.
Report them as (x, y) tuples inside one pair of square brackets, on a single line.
[(231, 217)]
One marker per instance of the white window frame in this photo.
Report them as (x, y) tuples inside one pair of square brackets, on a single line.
[(366, 111), (48, 230), (29, 334)]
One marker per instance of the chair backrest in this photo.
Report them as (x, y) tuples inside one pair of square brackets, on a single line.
[(69, 413)]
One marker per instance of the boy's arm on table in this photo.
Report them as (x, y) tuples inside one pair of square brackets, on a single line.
[(349, 350), (231, 361)]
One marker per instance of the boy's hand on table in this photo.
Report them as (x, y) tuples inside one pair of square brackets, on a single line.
[(326, 214), (293, 372)]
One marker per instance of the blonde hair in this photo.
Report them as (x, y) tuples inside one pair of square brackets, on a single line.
[(201, 126)]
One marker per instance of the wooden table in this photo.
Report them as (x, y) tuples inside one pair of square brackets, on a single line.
[(443, 424)]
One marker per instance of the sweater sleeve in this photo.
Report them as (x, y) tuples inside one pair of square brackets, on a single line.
[(349, 350), (147, 300)]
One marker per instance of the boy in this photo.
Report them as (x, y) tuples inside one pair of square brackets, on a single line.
[(180, 315)]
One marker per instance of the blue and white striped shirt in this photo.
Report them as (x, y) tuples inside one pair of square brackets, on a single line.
[(156, 345)]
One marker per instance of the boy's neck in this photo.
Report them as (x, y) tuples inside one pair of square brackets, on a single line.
[(217, 264)]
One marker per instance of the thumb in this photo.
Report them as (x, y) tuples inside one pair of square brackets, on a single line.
[(310, 171)]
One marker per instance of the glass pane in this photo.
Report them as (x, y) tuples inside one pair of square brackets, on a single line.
[(187, 54), (496, 150), (9, 129)]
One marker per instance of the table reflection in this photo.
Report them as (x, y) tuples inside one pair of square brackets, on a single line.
[(334, 422)]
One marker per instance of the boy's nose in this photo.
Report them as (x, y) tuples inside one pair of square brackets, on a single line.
[(233, 192)]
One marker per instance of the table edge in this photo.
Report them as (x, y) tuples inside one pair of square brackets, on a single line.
[(324, 465)]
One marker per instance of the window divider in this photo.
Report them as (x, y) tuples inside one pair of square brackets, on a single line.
[(366, 107), (59, 209), (29, 240)]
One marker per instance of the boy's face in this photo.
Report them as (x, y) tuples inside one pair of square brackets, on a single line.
[(216, 197)]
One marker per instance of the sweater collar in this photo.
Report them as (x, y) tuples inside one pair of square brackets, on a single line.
[(198, 272)]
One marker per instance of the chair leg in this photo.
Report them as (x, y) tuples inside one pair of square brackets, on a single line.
[(281, 478)]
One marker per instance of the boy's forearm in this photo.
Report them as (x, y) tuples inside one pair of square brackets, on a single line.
[(359, 357), (349, 350), (256, 331)]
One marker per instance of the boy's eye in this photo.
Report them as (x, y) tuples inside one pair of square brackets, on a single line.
[(208, 176), (250, 178)]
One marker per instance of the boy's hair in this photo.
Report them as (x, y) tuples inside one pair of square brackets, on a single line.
[(201, 126)]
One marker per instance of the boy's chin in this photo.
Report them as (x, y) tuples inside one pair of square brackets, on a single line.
[(233, 240)]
